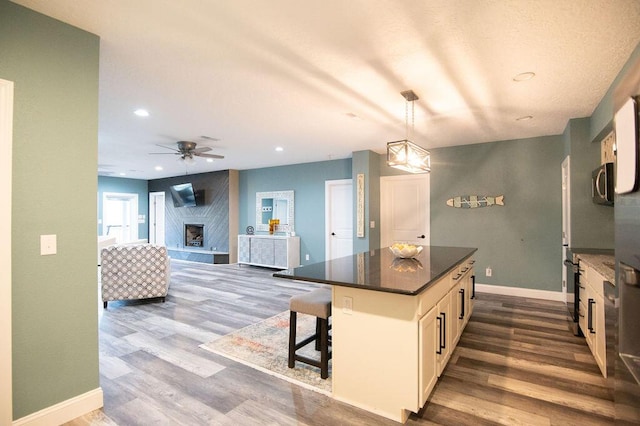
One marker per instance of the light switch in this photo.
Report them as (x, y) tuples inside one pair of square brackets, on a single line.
[(48, 244), (372, 224)]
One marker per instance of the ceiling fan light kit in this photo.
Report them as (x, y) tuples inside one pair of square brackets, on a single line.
[(404, 154)]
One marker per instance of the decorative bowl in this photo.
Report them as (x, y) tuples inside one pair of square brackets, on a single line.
[(405, 251)]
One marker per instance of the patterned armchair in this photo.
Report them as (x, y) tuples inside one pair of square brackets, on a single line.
[(131, 272)]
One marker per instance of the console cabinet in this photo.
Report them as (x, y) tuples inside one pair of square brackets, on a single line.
[(272, 251)]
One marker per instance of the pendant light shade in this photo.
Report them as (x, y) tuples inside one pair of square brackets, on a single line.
[(407, 156), (404, 154)]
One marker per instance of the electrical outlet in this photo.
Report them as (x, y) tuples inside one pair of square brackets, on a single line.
[(306, 256), (488, 272), (347, 305)]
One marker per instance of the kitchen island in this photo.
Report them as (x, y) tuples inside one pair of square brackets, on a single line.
[(395, 323)]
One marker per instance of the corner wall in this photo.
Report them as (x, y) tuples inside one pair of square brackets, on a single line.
[(308, 183), (55, 150), (129, 186), (520, 241)]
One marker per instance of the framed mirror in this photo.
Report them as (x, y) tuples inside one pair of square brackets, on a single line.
[(275, 205)]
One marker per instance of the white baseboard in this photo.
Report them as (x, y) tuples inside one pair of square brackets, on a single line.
[(523, 292), (64, 411)]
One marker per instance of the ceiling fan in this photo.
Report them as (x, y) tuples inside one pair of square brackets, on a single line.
[(187, 150)]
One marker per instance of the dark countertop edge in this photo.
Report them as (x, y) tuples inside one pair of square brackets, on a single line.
[(384, 290)]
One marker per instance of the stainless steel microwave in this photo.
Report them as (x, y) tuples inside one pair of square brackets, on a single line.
[(602, 186)]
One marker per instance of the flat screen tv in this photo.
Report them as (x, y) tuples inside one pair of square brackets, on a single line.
[(183, 195)]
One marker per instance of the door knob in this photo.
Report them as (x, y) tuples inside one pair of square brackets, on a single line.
[(421, 236)]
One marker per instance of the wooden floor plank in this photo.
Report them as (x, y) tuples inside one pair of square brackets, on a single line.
[(517, 362)]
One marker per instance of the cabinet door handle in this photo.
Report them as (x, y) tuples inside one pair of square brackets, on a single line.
[(421, 236), (443, 340), (590, 316), (473, 286), (439, 350), (462, 300)]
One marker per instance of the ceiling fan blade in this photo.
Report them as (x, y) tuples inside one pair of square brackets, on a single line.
[(164, 153), (167, 147), (199, 150), (209, 155)]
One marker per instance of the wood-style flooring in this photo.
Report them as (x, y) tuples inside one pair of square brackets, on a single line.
[(516, 363)]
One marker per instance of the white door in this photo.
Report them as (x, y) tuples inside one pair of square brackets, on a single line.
[(120, 216), (566, 221), (404, 209), (338, 218), (6, 143), (156, 218)]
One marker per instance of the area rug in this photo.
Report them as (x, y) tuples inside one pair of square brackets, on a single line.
[(264, 346)]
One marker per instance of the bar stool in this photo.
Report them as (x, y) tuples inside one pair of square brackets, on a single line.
[(318, 304)]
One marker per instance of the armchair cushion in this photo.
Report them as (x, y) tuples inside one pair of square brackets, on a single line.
[(134, 272)]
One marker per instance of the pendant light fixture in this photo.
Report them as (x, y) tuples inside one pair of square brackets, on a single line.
[(404, 154)]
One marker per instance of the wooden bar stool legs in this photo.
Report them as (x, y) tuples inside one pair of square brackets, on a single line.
[(318, 304)]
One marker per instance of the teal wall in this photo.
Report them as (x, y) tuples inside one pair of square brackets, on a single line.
[(521, 240), (308, 183), (129, 186), (367, 163), (603, 114), (592, 225), (55, 150)]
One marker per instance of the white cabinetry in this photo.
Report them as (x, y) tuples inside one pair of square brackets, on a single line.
[(591, 313), (429, 368), (444, 335), (272, 251), (413, 334)]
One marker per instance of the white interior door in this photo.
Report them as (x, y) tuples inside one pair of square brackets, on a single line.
[(6, 143), (338, 218), (404, 209), (156, 218), (566, 221), (120, 216)]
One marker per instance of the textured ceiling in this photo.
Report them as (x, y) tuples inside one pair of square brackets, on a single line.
[(259, 74)]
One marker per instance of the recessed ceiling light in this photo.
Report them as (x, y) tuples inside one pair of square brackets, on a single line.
[(141, 112), (123, 174), (279, 149), (209, 160), (524, 118), (158, 168), (524, 76)]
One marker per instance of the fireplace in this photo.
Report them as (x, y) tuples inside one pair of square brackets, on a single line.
[(193, 235)]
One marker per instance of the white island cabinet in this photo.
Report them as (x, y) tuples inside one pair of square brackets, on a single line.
[(395, 323), (272, 251)]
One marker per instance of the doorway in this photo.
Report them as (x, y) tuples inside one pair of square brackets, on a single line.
[(6, 143), (338, 218), (404, 209), (120, 216), (156, 218)]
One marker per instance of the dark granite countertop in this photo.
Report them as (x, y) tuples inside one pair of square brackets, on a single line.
[(380, 270)]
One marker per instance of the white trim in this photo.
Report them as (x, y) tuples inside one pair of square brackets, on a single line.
[(64, 411), (522, 292), (6, 144)]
